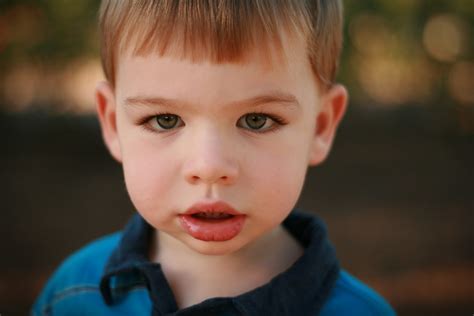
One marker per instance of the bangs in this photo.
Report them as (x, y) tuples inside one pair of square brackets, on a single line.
[(217, 31)]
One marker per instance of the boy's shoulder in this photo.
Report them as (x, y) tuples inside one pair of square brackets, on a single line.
[(77, 280), (352, 297), (86, 265)]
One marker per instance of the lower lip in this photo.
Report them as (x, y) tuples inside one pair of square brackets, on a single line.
[(212, 229)]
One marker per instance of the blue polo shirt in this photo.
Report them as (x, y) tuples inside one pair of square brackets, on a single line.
[(113, 276)]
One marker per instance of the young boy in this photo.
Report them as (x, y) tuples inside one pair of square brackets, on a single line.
[(215, 109)]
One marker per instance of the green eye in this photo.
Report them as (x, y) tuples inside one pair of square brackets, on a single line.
[(261, 122), (167, 121), (255, 121)]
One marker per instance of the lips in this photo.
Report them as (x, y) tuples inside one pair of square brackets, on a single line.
[(212, 221)]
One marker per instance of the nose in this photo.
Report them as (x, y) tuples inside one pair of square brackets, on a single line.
[(211, 160)]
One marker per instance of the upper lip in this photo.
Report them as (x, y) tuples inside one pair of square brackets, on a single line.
[(211, 207)]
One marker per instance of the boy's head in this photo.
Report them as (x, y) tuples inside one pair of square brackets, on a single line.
[(219, 101)]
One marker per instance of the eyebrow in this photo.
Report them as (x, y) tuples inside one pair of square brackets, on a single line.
[(279, 97)]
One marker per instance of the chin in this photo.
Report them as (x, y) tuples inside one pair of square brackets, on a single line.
[(214, 248)]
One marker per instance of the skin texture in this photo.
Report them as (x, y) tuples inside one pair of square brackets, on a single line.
[(213, 154)]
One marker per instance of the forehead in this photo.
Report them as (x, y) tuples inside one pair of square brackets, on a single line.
[(208, 86), (174, 76)]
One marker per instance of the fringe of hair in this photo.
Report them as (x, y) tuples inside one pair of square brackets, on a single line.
[(220, 30)]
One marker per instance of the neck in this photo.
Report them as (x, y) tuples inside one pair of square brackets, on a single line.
[(223, 275)]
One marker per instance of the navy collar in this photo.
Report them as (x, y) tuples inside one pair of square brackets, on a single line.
[(300, 290)]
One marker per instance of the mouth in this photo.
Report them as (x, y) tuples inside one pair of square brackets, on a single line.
[(216, 221), (212, 216)]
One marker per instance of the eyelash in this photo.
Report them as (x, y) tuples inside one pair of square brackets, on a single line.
[(279, 122)]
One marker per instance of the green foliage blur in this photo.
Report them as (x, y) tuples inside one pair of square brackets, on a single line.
[(47, 31), (391, 57)]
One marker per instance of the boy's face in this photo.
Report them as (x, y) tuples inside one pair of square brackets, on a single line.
[(243, 134)]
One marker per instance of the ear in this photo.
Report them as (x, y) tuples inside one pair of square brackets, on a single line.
[(106, 110), (333, 107)]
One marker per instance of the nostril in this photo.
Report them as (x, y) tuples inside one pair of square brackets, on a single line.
[(210, 171), (195, 179)]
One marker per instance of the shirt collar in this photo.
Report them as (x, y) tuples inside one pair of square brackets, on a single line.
[(305, 286)]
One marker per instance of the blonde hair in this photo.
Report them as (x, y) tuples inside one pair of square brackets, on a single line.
[(220, 30)]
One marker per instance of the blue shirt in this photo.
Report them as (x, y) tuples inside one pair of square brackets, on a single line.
[(113, 276)]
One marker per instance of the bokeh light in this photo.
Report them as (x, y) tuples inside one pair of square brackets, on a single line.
[(370, 34), (445, 37), (394, 82), (71, 86), (461, 83)]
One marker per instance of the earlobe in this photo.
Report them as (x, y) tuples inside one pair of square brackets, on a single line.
[(106, 110), (333, 107)]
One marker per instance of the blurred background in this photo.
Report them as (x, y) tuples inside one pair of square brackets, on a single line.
[(396, 192)]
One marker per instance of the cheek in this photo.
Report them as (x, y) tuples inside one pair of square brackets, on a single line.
[(148, 175), (277, 180)]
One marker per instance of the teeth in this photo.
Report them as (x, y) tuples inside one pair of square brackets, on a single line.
[(213, 215)]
